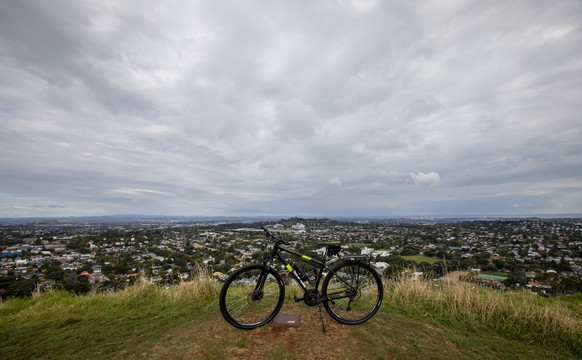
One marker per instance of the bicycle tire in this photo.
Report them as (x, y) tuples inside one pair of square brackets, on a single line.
[(355, 292), (242, 306)]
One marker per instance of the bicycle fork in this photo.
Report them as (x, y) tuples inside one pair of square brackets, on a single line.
[(257, 293)]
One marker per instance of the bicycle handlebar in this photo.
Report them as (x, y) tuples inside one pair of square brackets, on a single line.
[(268, 233)]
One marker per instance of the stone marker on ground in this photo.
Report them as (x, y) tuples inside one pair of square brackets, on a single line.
[(286, 320)]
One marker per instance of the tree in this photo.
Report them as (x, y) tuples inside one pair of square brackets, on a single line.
[(515, 279), (82, 285), (488, 267), (408, 251), (424, 266), (86, 267), (564, 266), (430, 253), (121, 268), (393, 271), (53, 271), (439, 268), (467, 263), (21, 288), (482, 261), (223, 268), (569, 285)]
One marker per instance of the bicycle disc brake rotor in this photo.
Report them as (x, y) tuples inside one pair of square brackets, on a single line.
[(356, 295), (255, 297)]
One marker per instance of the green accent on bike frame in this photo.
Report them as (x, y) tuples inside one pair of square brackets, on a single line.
[(289, 268), (305, 257)]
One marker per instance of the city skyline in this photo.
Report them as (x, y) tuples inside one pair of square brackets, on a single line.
[(328, 109)]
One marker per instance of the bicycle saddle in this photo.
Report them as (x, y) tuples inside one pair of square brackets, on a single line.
[(332, 247)]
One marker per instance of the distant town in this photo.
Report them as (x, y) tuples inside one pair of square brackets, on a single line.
[(540, 255)]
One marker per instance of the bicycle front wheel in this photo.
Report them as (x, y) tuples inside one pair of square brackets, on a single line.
[(355, 292), (252, 296)]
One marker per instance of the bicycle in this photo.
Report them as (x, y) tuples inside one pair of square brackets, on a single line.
[(351, 291)]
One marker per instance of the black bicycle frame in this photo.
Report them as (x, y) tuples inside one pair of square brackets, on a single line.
[(277, 249)]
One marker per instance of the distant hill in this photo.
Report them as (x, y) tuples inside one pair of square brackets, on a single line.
[(46, 222), (133, 219), (164, 219)]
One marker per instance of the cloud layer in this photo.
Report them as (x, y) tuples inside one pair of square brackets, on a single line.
[(291, 108)]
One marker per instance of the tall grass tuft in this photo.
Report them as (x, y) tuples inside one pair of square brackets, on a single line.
[(201, 287), (518, 314)]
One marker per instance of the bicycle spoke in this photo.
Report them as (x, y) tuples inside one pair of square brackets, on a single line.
[(237, 301), (236, 311), (355, 293), (246, 307)]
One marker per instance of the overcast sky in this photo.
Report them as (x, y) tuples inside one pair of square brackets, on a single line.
[(308, 108)]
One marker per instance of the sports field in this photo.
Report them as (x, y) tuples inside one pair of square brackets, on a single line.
[(359, 244), (420, 258), (491, 276)]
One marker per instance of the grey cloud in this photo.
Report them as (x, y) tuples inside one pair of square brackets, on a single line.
[(429, 179), (290, 108)]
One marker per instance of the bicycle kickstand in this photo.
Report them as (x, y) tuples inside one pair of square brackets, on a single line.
[(321, 316)]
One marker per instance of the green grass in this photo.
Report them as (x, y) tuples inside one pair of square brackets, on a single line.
[(416, 321), (421, 258), (60, 325), (359, 244), (102, 327), (491, 276)]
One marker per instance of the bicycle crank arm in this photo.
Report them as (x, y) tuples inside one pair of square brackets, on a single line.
[(323, 298)]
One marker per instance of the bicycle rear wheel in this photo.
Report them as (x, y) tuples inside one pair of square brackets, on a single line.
[(355, 291), (251, 296)]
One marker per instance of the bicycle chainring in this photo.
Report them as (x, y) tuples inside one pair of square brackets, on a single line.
[(311, 297)]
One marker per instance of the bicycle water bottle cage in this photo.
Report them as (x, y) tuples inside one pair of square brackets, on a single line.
[(333, 248)]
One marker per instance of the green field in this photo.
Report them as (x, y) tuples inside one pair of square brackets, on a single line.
[(420, 258), (359, 244), (491, 276)]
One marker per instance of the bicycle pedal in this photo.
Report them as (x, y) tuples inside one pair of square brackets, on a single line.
[(297, 299)]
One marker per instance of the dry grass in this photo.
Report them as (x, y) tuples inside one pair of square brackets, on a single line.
[(520, 314), (201, 287)]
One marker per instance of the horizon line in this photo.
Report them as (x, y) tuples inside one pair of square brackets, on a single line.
[(418, 216)]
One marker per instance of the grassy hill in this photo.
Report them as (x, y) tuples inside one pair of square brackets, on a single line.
[(417, 321)]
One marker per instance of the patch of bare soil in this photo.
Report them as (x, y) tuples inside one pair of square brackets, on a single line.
[(385, 336)]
